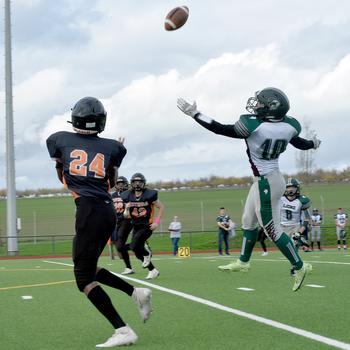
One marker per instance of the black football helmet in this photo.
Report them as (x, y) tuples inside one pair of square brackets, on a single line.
[(270, 104), (292, 187), (121, 184), (138, 182), (89, 116)]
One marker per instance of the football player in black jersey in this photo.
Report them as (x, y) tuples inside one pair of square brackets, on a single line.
[(140, 203), (87, 165), (124, 226)]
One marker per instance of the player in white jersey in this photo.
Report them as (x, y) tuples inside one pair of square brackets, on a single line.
[(340, 222), (295, 216), (267, 130), (316, 221)]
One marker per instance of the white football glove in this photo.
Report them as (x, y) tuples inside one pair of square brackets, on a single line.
[(187, 108), (316, 142)]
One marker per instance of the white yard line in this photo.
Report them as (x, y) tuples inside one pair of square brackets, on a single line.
[(298, 331), (309, 261), (279, 259)]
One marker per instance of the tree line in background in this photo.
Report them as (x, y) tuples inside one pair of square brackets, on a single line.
[(317, 176)]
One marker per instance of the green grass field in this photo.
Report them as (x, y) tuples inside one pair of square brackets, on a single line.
[(196, 209), (59, 317), (50, 221)]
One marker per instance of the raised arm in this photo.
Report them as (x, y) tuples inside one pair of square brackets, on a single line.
[(207, 122)]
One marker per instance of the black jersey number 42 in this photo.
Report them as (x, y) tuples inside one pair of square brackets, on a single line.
[(81, 164)]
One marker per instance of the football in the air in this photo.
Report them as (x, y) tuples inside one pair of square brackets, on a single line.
[(176, 18)]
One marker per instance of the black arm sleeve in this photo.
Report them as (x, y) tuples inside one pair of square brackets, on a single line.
[(221, 129), (301, 143)]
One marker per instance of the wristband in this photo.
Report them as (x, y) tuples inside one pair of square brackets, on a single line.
[(157, 220)]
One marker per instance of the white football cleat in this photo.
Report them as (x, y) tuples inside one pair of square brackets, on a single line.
[(127, 271), (146, 260), (148, 248), (236, 265), (122, 336), (265, 253), (299, 276), (142, 297), (152, 274)]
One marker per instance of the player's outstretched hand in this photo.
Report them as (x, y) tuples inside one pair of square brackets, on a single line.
[(316, 142), (187, 108)]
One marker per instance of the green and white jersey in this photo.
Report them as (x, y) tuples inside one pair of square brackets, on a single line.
[(266, 140), (316, 220), (340, 218), (291, 210)]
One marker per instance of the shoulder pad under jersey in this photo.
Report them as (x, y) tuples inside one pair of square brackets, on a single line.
[(246, 124), (294, 123), (305, 201)]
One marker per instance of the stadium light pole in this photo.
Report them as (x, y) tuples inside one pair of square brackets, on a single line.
[(12, 243)]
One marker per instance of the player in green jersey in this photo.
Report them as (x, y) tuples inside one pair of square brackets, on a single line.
[(267, 130)]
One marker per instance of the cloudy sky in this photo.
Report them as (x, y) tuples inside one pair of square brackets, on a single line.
[(119, 52)]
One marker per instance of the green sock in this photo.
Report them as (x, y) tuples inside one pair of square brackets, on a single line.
[(249, 240), (286, 246)]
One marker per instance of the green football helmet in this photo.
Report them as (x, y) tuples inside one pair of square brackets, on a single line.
[(270, 104), (292, 187)]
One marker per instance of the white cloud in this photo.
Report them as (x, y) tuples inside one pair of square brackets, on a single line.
[(34, 100), (120, 53), (145, 112)]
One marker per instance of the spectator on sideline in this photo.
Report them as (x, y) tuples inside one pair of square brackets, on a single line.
[(175, 233), (316, 221), (340, 222), (223, 221)]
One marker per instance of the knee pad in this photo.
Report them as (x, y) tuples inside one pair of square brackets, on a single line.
[(82, 279)]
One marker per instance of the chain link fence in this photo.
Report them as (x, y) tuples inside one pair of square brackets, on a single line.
[(60, 244)]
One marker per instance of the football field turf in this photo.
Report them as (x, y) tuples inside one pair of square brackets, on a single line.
[(195, 305)]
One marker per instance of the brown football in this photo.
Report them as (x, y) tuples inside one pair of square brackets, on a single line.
[(176, 18)]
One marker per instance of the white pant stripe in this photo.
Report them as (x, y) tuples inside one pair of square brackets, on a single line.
[(243, 245), (292, 251)]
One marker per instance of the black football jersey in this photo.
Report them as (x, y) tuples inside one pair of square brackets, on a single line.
[(141, 208), (87, 160), (119, 205)]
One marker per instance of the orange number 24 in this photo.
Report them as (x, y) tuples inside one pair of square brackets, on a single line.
[(78, 166)]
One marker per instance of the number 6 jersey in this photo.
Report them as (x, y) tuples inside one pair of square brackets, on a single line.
[(291, 210), (87, 161)]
